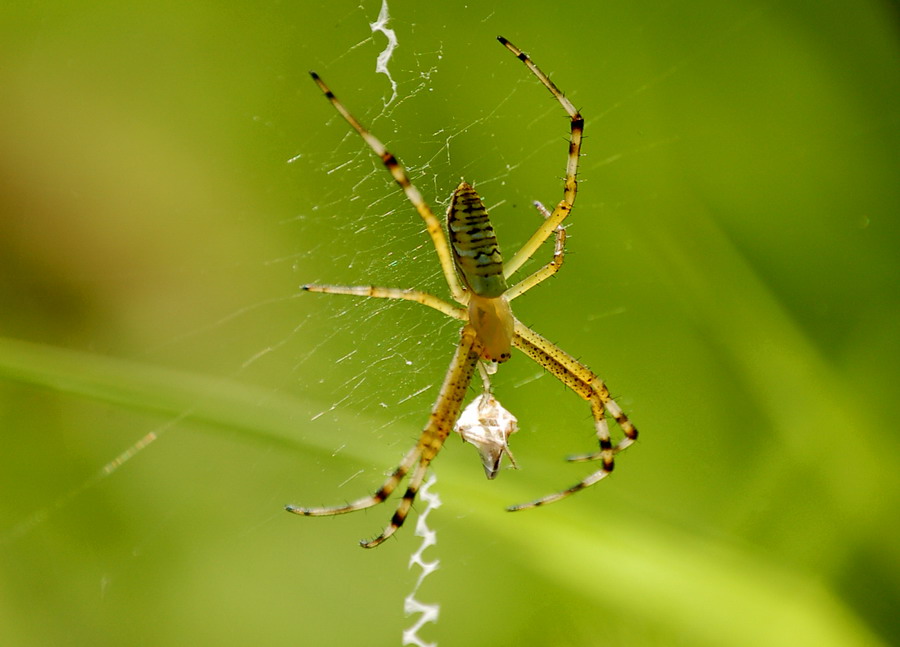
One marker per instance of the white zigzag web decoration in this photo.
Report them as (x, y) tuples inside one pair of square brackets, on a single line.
[(429, 612)]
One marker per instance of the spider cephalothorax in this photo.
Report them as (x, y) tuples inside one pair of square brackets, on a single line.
[(477, 277)]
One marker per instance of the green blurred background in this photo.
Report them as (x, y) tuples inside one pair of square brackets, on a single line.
[(170, 175)]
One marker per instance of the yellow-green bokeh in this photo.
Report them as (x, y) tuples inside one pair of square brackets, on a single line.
[(733, 275)]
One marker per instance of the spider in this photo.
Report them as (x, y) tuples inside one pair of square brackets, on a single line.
[(477, 279)]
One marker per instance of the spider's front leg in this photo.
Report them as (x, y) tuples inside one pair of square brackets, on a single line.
[(440, 423), (561, 212)]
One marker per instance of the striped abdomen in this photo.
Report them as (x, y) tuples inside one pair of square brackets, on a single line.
[(473, 244)]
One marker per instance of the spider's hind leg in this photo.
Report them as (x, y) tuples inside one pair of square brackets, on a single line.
[(415, 482), (630, 431), (606, 455), (586, 384), (443, 415), (374, 499)]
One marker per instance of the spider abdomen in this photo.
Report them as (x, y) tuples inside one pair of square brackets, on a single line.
[(474, 245)]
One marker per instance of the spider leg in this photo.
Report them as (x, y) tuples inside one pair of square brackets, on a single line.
[(440, 423), (586, 482), (586, 384), (432, 224), (551, 268), (379, 496), (574, 369), (443, 416), (415, 482), (621, 419), (391, 293), (571, 184)]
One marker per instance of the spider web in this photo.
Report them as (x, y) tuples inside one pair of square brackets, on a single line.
[(398, 346), (379, 361), (357, 228)]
